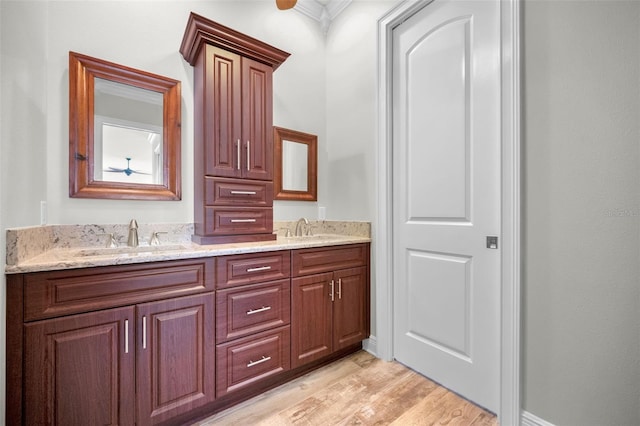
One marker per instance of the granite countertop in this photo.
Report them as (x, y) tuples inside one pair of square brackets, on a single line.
[(85, 253)]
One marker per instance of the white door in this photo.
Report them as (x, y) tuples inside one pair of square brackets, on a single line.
[(446, 195)]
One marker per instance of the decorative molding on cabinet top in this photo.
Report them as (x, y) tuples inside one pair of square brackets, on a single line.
[(201, 30)]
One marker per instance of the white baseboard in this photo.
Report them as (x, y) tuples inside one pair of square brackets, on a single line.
[(528, 419), (371, 345)]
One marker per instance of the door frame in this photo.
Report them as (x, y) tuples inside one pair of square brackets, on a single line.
[(382, 344)]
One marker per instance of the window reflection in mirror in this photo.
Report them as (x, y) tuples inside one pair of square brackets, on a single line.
[(128, 133)]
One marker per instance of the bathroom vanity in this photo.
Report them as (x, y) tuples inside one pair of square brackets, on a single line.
[(169, 337)]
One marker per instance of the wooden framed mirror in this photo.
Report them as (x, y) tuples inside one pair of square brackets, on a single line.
[(124, 132), (295, 165)]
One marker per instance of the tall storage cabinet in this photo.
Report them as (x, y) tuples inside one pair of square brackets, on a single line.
[(233, 150)]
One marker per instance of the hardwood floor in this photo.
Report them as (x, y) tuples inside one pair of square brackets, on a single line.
[(357, 390)]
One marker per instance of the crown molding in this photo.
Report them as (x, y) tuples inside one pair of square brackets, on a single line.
[(322, 13)]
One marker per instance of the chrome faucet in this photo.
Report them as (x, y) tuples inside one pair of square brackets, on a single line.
[(302, 221), (132, 241)]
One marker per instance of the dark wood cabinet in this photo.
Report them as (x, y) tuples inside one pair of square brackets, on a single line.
[(350, 307), (236, 93), (254, 313), (312, 322), (92, 355), (233, 93), (166, 342), (247, 361), (330, 305), (175, 353), (80, 369)]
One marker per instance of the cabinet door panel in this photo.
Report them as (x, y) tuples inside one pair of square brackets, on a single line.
[(175, 349), (350, 309), (77, 371), (311, 318), (222, 117), (257, 115)]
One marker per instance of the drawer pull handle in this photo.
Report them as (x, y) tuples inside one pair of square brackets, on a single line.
[(248, 156), (243, 220), (144, 332), (126, 336), (238, 154), (260, 361), (260, 268), (256, 311), (243, 192)]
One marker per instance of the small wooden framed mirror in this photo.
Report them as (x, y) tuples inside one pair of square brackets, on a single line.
[(295, 165), (124, 132)]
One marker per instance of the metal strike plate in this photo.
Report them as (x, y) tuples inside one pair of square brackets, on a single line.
[(492, 242)]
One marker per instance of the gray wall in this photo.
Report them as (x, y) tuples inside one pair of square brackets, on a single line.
[(581, 318)]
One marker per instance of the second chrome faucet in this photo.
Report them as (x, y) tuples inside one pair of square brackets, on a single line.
[(132, 241), (303, 227)]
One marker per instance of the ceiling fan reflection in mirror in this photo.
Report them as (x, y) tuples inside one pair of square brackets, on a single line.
[(285, 4), (128, 171)]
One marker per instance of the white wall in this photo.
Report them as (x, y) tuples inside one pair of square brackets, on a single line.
[(581, 313), (349, 184), (102, 29), (328, 91)]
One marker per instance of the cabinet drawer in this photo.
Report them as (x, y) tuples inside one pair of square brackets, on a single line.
[(243, 362), (52, 294), (326, 259), (249, 309), (234, 192), (237, 221), (242, 269)]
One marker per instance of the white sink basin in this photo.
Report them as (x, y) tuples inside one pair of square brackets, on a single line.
[(114, 251)]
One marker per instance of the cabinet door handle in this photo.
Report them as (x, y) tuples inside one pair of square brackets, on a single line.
[(260, 361), (243, 220), (144, 332), (255, 311), (126, 336), (331, 294), (339, 288), (243, 192), (238, 154), (248, 156), (260, 268)]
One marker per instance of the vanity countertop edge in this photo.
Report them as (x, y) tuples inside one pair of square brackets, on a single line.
[(61, 258)]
